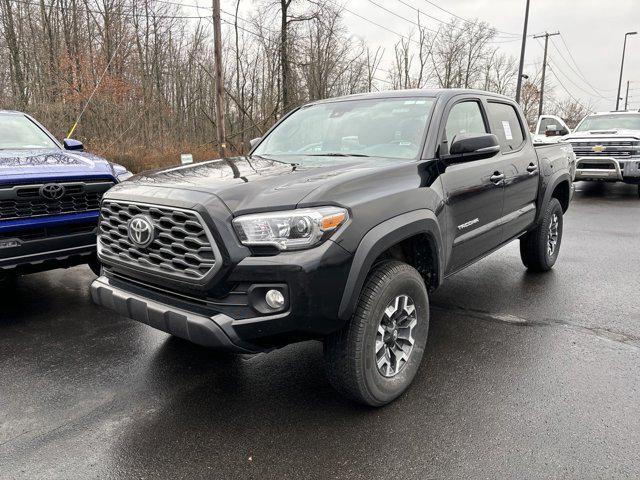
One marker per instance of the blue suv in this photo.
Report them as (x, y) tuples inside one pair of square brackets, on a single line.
[(50, 197)]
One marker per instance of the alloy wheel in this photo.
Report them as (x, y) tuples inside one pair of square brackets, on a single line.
[(552, 239), (394, 338)]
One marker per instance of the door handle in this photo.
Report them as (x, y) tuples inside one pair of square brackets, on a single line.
[(532, 168), (496, 178)]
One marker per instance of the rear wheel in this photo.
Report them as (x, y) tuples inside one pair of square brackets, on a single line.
[(539, 248), (375, 357)]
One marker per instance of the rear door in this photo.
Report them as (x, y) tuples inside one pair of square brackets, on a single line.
[(520, 167), (474, 196)]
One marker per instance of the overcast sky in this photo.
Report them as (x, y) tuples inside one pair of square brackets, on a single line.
[(593, 30)]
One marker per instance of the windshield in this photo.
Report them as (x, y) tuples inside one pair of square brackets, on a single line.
[(610, 122), (17, 131), (391, 127)]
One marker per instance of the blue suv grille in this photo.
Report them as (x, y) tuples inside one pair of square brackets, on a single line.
[(28, 201)]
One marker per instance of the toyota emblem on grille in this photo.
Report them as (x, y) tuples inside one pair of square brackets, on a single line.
[(141, 231), (52, 191)]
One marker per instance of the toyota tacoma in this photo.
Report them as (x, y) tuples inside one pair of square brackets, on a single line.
[(49, 198), (337, 226)]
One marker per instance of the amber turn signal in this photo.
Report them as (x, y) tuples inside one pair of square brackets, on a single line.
[(333, 221)]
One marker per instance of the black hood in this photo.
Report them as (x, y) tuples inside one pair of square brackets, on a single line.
[(256, 183)]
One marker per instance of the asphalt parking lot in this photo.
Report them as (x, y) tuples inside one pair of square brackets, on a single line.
[(525, 376)]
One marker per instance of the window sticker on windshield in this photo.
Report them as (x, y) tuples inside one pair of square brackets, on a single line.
[(409, 102), (507, 130)]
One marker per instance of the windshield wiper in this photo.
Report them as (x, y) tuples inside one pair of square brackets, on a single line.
[(336, 154), (293, 164)]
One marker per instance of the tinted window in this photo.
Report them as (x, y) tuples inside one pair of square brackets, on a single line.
[(506, 126), (464, 117)]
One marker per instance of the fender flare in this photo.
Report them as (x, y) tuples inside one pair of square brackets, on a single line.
[(379, 239), (552, 183)]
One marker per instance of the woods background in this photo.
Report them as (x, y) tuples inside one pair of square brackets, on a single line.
[(155, 62)]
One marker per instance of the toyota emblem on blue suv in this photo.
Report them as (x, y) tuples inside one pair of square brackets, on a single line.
[(52, 191), (141, 231)]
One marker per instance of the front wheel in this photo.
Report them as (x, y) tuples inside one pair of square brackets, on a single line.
[(539, 248), (374, 358)]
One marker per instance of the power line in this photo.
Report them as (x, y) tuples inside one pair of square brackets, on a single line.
[(568, 78), (130, 14), (567, 91), (443, 22), (552, 70), (578, 73), (209, 9), (544, 66), (465, 19), (584, 77), (374, 23), (401, 17)]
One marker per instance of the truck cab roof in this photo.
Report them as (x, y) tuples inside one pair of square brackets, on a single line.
[(416, 92)]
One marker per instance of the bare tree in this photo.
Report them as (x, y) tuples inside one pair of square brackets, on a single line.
[(570, 111), (147, 69)]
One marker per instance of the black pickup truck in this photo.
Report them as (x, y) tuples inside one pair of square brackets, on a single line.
[(336, 226)]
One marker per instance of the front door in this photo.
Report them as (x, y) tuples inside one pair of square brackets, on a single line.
[(473, 189)]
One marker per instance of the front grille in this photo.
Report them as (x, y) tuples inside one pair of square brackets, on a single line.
[(596, 166), (182, 245), (611, 149), (25, 201)]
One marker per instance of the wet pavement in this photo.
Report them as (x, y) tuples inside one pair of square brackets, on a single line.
[(525, 376)]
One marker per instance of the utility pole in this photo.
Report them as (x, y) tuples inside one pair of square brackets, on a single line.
[(546, 36), (522, 49), (626, 97), (217, 47), (624, 48)]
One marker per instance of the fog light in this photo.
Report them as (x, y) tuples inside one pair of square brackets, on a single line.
[(274, 299)]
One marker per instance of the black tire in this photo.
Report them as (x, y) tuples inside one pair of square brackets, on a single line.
[(350, 354), (535, 250)]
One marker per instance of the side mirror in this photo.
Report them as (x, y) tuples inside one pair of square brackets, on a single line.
[(466, 147), (254, 141), (551, 130), (71, 144)]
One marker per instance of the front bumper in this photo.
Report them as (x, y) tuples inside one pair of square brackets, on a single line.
[(226, 317), (53, 242), (211, 331), (608, 169)]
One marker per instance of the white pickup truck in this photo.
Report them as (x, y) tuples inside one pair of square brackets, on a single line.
[(549, 129), (607, 147)]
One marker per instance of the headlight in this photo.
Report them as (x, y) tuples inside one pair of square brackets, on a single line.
[(290, 230), (121, 172)]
